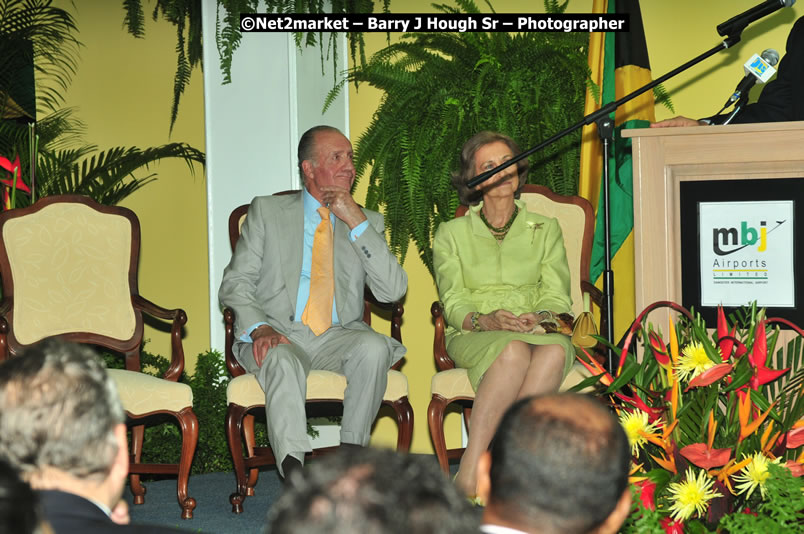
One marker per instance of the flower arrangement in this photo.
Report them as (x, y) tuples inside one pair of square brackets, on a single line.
[(709, 417)]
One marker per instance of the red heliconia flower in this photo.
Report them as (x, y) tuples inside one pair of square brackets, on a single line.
[(704, 457), (710, 376), (748, 511), (14, 169), (646, 489), (636, 402), (671, 526), (659, 348), (759, 354), (726, 343)]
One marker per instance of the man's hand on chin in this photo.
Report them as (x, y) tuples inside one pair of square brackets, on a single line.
[(263, 339), (342, 204)]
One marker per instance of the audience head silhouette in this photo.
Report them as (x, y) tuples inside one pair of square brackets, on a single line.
[(372, 491), (558, 464), (62, 428)]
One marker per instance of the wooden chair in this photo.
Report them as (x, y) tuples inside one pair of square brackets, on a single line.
[(325, 389), (69, 269), (451, 384)]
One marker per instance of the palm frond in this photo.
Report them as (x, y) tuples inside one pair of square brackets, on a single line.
[(37, 35), (107, 176)]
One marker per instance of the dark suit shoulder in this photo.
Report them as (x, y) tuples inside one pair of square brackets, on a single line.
[(68, 513)]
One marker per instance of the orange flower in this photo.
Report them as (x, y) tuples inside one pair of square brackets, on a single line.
[(595, 369), (744, 411)]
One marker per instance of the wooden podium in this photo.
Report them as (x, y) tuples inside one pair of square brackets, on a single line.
[(665, 157)]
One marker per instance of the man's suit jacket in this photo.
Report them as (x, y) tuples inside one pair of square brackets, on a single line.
[(783, 98), (261, 282), (68, 513)]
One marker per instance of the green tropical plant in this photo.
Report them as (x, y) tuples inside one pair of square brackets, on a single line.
[(439, 90), (52, 157)]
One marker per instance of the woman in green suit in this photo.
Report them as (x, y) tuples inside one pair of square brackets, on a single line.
[(501, 273)]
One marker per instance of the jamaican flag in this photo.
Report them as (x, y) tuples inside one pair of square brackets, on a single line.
[(619, 65)]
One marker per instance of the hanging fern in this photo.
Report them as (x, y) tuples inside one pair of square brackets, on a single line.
[(439, 90), (228, 36), (185, 15)]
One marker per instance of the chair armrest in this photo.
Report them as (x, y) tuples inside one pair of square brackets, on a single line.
[(395, 308), (5, 307), (235, 369), (179, 318), (396, 311), (442, 360)]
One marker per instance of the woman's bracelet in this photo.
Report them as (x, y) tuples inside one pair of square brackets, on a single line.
[(476, 322)]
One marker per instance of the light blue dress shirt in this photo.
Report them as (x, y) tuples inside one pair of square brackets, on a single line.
[(311, 220)]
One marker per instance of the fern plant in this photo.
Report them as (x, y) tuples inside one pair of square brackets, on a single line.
[(440, 89), (228, 36)]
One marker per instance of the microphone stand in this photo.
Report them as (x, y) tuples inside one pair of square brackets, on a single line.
[(738, 107), (605, 127)]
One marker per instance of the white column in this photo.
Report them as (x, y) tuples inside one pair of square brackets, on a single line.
[(253, 126)]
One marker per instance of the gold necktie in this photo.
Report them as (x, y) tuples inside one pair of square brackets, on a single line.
[(318, 312)]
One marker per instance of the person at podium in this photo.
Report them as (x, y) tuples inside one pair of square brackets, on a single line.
[(504, 282), (781, 100)]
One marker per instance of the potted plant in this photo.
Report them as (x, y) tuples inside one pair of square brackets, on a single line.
[(711, 418)]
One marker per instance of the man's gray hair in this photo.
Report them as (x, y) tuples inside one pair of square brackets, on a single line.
[(59, 410), (306, 150)]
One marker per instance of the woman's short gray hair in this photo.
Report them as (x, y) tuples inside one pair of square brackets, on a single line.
[(59, 410), (468, 196)]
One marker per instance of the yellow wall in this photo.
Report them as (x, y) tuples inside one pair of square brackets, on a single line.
[(123, 90)]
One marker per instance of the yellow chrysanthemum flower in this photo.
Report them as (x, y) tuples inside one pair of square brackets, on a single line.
[(693, 361), (633, 423), (754, 475), (692, 495)]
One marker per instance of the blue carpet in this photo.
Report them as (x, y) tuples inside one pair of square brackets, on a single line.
[(213, 512)]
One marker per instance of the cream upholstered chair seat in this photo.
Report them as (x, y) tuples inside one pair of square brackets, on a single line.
[(454, 383), (69, 269), (246, 391), (325, 390), (450, 384), (142, 393)]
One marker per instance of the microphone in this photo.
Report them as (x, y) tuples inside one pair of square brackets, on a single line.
[(757, 69), (738, 23)]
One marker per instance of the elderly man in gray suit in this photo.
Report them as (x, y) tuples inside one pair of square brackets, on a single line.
[(280, 279)]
